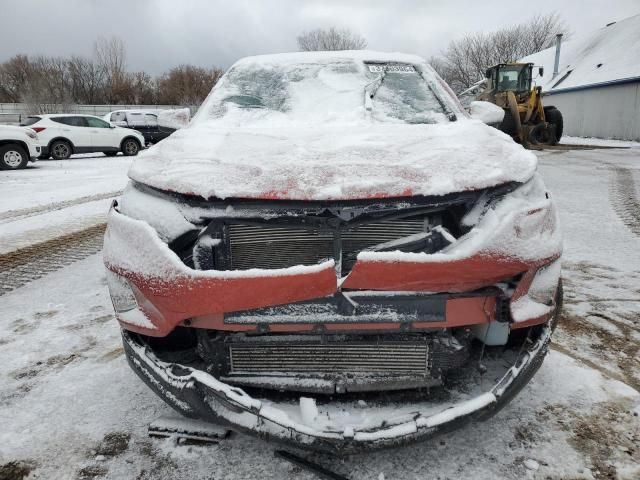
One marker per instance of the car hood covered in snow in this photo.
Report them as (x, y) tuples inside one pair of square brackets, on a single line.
[(333, 162), (332, 126)]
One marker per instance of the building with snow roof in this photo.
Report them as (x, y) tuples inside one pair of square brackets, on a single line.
[(597, 82)]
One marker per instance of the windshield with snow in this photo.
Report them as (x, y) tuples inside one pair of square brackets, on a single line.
[(337, 91)]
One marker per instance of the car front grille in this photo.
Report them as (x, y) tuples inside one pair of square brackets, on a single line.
[(277, 246)]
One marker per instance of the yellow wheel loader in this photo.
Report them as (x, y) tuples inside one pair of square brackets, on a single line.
[(508, 85)]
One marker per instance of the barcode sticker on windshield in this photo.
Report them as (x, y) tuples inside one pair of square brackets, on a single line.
[(391, 68)]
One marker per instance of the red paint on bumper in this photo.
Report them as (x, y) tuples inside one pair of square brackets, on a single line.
[(201, 302), (459, 312), (462, 275), (167, 304)]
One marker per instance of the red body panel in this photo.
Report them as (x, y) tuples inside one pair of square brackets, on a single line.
[(169, 303), (459, 312), (201, 302), (453, 276)]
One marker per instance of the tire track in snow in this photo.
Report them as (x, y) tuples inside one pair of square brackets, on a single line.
[(13, 215), (624, 198), (25, 265), (588, 363)]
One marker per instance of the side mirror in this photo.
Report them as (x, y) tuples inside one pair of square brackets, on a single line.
[(486, 112), (541, 71), (487, 73), (112, 126)]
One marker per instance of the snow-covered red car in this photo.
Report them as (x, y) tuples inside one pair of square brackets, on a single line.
[(334, 255)]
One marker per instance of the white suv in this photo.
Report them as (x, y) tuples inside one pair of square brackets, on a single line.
[(18, 145), (63, 135)]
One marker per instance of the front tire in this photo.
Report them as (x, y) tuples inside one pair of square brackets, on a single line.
[(542, 134), (553, 115), (13, 157), (60, 150), (130, 147)]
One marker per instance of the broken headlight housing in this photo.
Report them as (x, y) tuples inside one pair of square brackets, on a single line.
[(122, 296)]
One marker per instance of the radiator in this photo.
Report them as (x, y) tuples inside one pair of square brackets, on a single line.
[(276, 246)]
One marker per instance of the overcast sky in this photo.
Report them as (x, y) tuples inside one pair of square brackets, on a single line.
[(160, 34)]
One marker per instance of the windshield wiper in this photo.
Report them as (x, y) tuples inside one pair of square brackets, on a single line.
[(371, 88)]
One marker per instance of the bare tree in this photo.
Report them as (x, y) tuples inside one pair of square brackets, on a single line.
[(542, 31), (111, 56), (47, 86), (52, 84), (187, 85), (465, 60), (87, 80), (144, 89), (331, 39), (14, 74)]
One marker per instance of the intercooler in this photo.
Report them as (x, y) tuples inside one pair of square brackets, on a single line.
[(335, 363), (356, 358), (281, 246)]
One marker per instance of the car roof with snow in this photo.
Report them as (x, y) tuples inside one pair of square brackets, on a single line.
[(295, 58)]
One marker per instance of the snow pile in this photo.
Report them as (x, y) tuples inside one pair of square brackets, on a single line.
[(295, 127), (486, 112)]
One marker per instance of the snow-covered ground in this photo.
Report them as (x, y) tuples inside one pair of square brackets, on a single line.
[(598, 142), (50, 198), (70, 407)]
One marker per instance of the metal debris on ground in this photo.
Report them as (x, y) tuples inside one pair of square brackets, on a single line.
[(187, 430), (312, 467)]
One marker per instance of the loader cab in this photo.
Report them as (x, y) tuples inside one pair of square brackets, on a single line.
[(515, 77), (526, 119)]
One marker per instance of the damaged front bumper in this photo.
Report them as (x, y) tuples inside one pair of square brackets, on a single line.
[(381, 315), (512, 241), (197, 394)]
